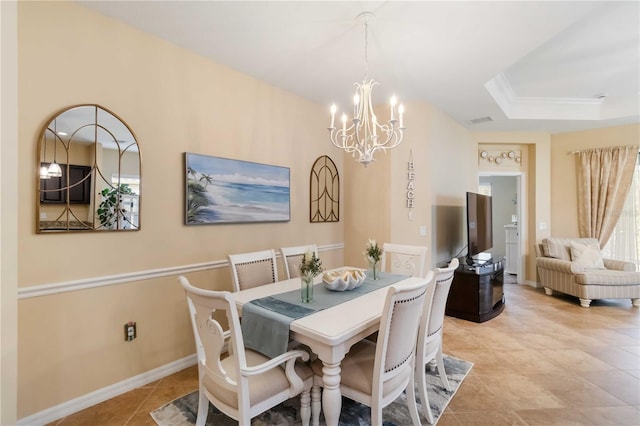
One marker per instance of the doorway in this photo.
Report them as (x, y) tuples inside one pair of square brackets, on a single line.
[(508, 222)]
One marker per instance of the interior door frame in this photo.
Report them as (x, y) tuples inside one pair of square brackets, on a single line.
[(521, 211)]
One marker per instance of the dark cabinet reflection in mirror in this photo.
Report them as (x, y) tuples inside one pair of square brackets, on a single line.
[(89, 173)]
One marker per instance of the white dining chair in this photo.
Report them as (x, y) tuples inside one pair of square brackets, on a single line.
[(376, 373), (404, 259), (292, 258), (240, 382), (429, 350), (253, 269)]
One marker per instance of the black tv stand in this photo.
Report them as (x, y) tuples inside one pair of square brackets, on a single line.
[(476, 292)]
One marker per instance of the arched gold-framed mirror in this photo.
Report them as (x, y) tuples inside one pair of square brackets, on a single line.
[(89, 172)]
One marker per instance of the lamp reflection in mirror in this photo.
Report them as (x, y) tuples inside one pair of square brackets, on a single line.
[(44, 170), (54, 168), (365, 135)]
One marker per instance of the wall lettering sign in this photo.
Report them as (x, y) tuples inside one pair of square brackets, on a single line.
[(411, 175)]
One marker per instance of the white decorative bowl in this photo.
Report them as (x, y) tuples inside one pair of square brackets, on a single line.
[(343, 280)]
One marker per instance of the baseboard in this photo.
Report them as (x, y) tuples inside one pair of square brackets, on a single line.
[(532, 284), (73, 406)]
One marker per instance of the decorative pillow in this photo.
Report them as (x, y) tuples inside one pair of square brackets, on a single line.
[(558, 248), (588, 256)]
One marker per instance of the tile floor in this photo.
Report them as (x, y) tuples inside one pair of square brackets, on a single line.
[(543, 361)]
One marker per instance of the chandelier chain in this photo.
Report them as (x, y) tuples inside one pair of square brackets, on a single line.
[(366, 49)]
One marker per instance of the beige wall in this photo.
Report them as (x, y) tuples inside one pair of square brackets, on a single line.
[(72, 343), (375, 204), (8, 212), (452, 170), (366, 205), (564, 201)]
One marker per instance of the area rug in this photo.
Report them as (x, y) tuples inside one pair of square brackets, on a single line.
[(182, 411)]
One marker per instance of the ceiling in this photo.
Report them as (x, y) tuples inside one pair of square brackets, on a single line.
[(549, 66)]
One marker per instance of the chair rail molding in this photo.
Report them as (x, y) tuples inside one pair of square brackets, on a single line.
[(105, 280)]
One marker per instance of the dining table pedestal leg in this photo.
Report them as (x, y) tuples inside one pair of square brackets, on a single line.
[(331, 395)]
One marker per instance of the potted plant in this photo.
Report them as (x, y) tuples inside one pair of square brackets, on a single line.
[(110, 209)]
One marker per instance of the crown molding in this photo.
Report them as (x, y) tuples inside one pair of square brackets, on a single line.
[(537, 108)]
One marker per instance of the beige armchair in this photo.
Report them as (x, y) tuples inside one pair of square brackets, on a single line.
[(563, 267)]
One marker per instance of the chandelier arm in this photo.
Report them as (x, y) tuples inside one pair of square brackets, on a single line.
[(348, 143), (394, 138)]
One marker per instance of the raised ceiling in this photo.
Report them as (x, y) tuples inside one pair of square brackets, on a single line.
[(548, 66)]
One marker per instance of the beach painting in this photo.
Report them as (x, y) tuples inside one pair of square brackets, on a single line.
[(222, 190)]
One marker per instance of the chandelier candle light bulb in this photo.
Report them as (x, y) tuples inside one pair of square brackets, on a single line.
[(393, 105), (333, 113)]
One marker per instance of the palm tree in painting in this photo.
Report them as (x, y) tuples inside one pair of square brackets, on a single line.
[(197, 200), (207, 179), (191, 171)]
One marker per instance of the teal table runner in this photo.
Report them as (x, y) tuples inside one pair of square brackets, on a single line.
[(265, 321)]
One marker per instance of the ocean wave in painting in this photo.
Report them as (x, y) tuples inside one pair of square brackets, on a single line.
[(243, 202)]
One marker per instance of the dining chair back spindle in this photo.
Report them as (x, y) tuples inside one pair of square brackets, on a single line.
[(239, 382)]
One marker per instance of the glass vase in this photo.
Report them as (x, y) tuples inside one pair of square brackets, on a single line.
[(306, 288), (374, 274)]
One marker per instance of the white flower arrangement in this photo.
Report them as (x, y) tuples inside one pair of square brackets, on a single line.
[(373, 252), (311, 265)]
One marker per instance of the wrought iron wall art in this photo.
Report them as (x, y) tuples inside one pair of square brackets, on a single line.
[(324, 194)]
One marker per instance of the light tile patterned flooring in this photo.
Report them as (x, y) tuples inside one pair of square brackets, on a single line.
[(543, 361)]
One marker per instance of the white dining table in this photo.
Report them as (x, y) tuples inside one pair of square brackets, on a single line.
[(329, 333)]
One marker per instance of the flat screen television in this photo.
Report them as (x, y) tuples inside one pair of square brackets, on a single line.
[(479, 227)]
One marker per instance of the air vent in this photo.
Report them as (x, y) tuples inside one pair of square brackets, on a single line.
[(480, 120)]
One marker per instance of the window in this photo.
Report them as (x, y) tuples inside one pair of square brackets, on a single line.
[(624, 243)]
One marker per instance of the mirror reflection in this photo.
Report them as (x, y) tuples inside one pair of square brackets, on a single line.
[(89, 173)]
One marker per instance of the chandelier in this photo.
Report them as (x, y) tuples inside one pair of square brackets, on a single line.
[(365, 135)]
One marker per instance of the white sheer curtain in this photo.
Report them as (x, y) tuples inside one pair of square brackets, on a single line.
[(624, 243)]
